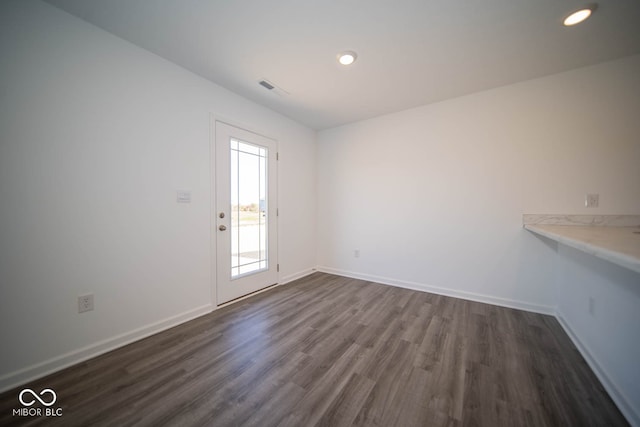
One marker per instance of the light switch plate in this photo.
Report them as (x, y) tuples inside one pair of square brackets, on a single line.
[(183, 196)]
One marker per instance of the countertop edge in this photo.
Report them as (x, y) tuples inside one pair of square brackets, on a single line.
[(615, 257), (625, 220)]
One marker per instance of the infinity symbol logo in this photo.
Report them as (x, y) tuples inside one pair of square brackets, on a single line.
[(42, 393)]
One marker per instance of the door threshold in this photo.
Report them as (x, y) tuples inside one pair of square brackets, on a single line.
[(259, 291)]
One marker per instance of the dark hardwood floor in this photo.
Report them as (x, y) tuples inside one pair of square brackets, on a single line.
[(332, 351)]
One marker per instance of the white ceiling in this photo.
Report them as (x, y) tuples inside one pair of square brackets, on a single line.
[(411, 52)]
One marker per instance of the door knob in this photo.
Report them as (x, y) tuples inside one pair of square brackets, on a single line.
[(222, 228)]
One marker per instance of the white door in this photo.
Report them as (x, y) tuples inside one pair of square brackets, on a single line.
[(246, 219)]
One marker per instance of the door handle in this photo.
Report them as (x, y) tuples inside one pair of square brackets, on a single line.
[(222, 228)]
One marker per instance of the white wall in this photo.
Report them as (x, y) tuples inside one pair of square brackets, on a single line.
[(433, 198), (96, 137)]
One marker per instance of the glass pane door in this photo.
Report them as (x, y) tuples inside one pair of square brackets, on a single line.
[(249, 235), (246, 220)]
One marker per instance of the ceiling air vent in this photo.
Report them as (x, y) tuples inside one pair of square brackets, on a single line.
[(266, 84), (272, 87)]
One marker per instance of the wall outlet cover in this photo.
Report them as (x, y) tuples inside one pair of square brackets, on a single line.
[(592, 200), (85, 303)]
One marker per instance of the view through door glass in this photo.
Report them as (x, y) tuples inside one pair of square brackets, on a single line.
[(249, 233)]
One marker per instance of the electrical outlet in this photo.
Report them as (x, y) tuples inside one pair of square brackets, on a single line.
[(591, 200), (356, 253), (85, 303)]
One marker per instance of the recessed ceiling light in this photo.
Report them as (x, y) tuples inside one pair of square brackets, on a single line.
[(580, 15), (347, 58)]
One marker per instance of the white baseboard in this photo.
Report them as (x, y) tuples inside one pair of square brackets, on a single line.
[(487, 299), (295, 276), (39, 370), (42, 369), (621, 401)]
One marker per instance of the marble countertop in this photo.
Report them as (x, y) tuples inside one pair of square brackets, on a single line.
[(615, 243)]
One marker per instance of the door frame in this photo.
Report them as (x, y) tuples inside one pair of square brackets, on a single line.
[(213, 235)]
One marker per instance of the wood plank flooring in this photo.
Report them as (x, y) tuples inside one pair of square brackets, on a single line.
[(331, 351)]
